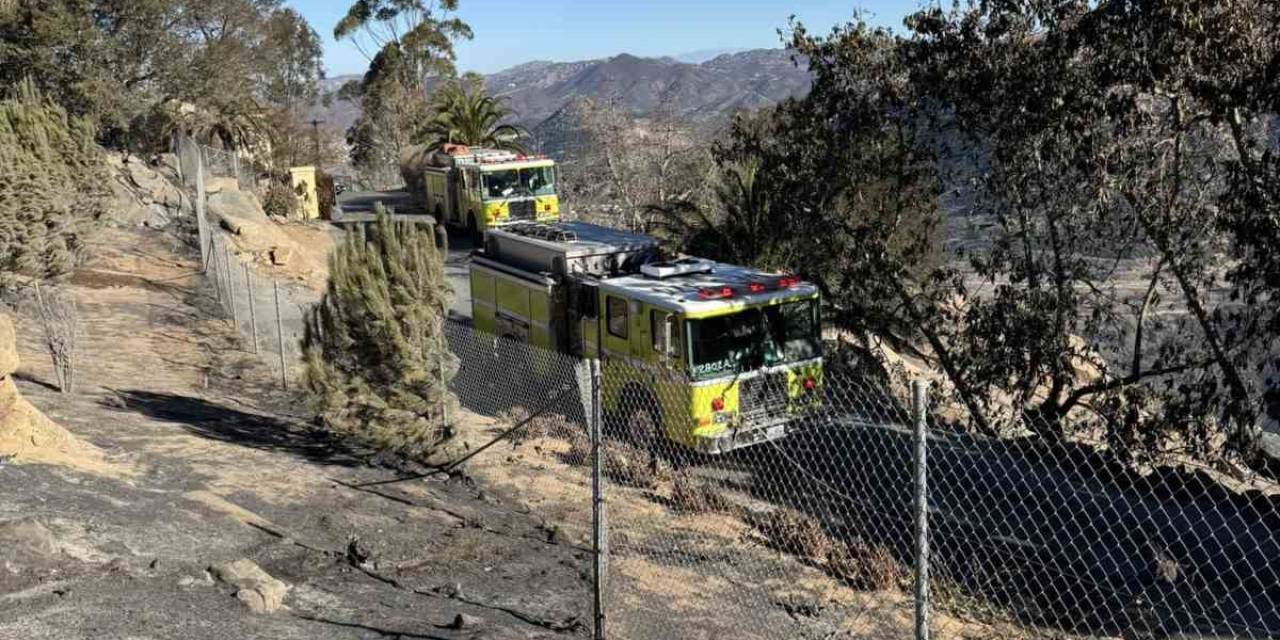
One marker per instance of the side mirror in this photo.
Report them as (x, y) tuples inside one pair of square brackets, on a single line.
[(671, 329)]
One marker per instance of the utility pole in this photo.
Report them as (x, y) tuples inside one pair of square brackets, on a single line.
[(315, 140)]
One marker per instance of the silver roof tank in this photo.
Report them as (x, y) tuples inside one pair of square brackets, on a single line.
[(564, 248)]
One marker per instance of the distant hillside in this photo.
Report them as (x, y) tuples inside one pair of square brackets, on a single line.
[(701, 92), (337, 114), (748, 79)]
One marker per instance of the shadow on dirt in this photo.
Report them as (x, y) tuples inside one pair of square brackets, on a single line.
[(217, 422)]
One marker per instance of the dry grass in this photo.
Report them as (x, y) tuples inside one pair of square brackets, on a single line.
[(799, 534), (861, 565), (547, 425), (624, 464), (869, 567), (692, 496)]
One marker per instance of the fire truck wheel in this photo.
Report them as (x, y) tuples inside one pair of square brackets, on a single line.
[(473, 230), (643, 419)]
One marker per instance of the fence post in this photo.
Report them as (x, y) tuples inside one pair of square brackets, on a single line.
[(599, 531), (212, 261), (253, 310), (444, 381), (919, 412), (231, 287), (284, 370), (202, 226)]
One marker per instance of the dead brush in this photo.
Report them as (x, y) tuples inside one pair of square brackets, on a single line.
[(60, 319), (623, 463), (691, 496), (547, 425), (864, 566), (796, 533)]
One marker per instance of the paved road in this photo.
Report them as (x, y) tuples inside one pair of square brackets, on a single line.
[(358, 207)]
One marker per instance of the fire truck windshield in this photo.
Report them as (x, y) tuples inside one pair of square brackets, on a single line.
[(752, 338), (519, 183)]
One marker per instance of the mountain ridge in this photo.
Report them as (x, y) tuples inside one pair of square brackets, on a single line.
[(696, 91)]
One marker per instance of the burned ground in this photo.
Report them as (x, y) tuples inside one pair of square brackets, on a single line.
[(224, 466)]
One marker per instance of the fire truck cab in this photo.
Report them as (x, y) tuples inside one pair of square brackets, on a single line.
[(481, 189), (713, 356)]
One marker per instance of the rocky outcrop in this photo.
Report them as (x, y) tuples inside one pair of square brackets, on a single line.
[(142, 194), (26, 435)]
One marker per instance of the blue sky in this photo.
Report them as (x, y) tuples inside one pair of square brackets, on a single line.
[(509, 32)]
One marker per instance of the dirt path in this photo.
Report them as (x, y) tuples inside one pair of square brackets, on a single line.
[(223, 469)]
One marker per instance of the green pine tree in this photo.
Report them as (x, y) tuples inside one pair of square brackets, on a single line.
[(52, 185), (373, 346)]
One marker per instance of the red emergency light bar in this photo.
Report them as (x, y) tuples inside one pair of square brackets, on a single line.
[(715, 293), (720, 293)]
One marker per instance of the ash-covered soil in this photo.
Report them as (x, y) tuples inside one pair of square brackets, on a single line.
[(212, 463)]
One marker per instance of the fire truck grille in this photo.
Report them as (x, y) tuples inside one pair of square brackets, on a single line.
[(522, 209), (763, 397)]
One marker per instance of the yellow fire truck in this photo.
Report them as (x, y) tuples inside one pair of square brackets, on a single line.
[(714, 356), (481, 189)]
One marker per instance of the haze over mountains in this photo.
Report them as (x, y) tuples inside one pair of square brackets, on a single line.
[(713, 86)]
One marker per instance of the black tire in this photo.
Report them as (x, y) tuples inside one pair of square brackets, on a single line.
[(643, 420), (473, 231)]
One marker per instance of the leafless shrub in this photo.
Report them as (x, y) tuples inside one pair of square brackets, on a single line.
[(691, 496), (863, 565), (623, 463), (795, 533), (61, 322)]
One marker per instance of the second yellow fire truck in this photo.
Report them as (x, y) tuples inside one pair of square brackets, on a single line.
[(481, 189)]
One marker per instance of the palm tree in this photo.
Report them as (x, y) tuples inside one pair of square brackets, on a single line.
[(740, 226), (465, 114)]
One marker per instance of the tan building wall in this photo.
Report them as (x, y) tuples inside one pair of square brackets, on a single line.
[(303, 180)]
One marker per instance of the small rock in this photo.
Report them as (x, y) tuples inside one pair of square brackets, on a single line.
[(281, 256), (357, 552), (256, 588), (464, 621), (157, 216)]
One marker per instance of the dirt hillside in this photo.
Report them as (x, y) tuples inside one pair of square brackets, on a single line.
[(225, 477), (26, 435)]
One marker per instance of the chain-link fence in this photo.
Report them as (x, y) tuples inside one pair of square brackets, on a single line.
[(819, 518), (266, 312), (823, 499)]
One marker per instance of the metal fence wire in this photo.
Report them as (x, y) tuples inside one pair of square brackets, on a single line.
[(267, 313), (817, 533)]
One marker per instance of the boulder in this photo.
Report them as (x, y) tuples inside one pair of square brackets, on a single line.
[(8, 347), (238, 212), (141, 195), (26, 538), (254, 587), (170, 163), (219, 184), (157, 216), (151, 185)]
